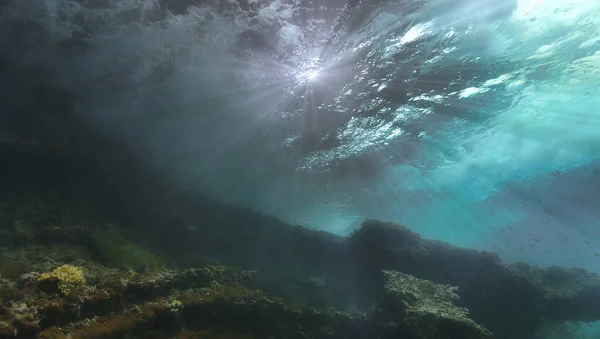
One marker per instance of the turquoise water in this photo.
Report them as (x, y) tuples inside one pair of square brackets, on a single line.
[(475, 123)]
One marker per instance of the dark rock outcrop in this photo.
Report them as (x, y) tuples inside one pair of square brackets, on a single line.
[(426, 310), (497, 294)]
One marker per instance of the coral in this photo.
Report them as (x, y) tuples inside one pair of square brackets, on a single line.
[(70, 278), (176, 306)]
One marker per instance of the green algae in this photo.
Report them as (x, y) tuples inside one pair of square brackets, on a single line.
[(112, 248)]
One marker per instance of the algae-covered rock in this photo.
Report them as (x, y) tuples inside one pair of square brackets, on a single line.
[(114, 249), (562, 294), (251, 311), (150, 286), (427, 309), (161, 283), (8, 293), (51, 333), (7, 330), (24, 320), (11, 268), (201, 277), (133, 323), (101, 302)]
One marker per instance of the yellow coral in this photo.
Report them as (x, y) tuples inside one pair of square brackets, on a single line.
[(70, 278)]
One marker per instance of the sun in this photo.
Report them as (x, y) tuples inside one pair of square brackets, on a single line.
[(309, 70), (312, 75)]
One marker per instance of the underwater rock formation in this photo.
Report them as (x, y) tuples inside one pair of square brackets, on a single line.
[(425, 310), (212, 302), (216, 302), (496, 294), (396, 285), (319, 269)]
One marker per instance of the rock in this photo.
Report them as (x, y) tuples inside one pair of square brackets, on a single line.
[(7, 330), (101, 302), (24, 320), (49, 285), (150, 286), (28, 280), (202, 277), (11, 268), (125, 325), (564, 294), (253, 311), (496, 294), (8, 293), (51, 333), (426, 310)]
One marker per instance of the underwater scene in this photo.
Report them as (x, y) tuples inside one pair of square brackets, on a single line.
[(300, 169)]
